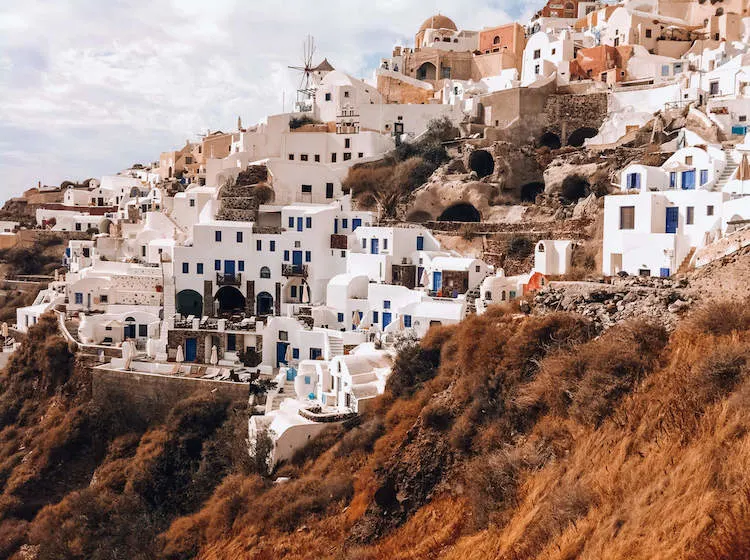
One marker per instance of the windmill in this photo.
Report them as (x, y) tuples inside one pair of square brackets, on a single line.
[(307, 84)]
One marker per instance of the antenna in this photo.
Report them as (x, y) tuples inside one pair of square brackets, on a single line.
[(307, 83)]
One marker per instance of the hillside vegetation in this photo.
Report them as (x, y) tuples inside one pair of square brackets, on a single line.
[(505, 436)]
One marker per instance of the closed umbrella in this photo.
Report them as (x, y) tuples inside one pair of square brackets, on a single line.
[(214, 356), (355, 319), (180, 354), (288, 355), (150, 351), (127, 353), (5, 330), (423, 280)]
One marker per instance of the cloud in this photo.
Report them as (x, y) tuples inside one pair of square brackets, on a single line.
[(90, 87)]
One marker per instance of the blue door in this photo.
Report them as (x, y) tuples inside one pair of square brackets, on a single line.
[(664, 272), (281, 353), (291, 374), (387, 318), (296, 257), (336, 226), (191, 349), (672, 220), (420, 272), (129, 331), (420, 243), (231, 342), (229, 267), (356, 222), (688, 180), (299, 224), (374, 246), (437, 280)]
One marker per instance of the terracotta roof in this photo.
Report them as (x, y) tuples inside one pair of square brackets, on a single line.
[(438, 22)]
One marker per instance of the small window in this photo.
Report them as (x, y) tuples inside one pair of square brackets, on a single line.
[(79, 298), (333, 157), (554, 51), (385, 244), (258, 245), (347, 143), (344, 223), (743, 118), (199, 268), (308, 256), (241, 266), (283, 336), (665, 70), (360, 155), (104, 298), (295, 353), (709, 210), (291, 222), (648, 33), (477, 268), (265, 273), (346, 94), (328, 96), (306, 188), (192, 202), (375, 316), (704, 176), (217, 236), (307, 377), (303, 157), (347, 156), (239, 237), (286, 256), (272, 245), (386, 304), (627, 217), (364, 243), (185, 268), (142, 331), (407, 321), (343, 254), (217, 264), (690, 215), (308, 222), (329, 190), (713, 88), (340, 317), (291, 157), (688, 160), (317, 158), (537, 54), (293, 292), (537, 70)]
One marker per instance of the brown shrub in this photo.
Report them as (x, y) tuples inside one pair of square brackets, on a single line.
[(721, 318)]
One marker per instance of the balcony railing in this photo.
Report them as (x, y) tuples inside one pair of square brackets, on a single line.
[(228, 279), (294, 270)]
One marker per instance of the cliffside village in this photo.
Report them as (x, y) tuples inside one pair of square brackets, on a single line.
[(187, 274)]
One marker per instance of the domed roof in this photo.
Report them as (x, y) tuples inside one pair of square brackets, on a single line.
[(438, 22)]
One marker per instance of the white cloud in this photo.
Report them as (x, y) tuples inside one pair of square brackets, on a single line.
[(89, 87)]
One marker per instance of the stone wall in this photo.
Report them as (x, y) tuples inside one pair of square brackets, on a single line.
[(566, 113), (150, 397), (398, 91)]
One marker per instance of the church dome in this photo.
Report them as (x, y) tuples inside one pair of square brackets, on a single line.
[(438, 22)]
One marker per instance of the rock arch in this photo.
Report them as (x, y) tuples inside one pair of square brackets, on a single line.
[(461, 212), (482, 162), (579, 136), (530, 191), (550, 140)]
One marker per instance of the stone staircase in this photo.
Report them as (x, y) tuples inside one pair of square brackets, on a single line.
[(685, 264), (285, 391), (729, 169), (335, 346), (471, 300)]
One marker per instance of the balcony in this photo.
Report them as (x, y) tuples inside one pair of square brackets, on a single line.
[(228, 279), (294, 270)]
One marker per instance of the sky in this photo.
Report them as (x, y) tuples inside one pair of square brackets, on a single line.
[(89, 87)]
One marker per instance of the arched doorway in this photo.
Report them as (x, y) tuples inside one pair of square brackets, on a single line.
[(550, 140), (264, 304), (462, 212), (580, 135), (230, 300), (129, 330), (530, 191), (482, 162), (189, 302), (428, 71)]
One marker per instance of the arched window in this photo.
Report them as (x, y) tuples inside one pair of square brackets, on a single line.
[(488, 295), (496, 40), (265, 272), (541, 247)]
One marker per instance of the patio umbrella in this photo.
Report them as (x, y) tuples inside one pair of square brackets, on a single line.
[(127, 353), (355, 319), (214, 356), (180, 354), (423, 280), (288, 355), (5, 330), (743, 172), (150, 352)]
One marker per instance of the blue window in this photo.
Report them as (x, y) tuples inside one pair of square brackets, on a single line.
[(374, 316), (665, 70), (199, 266), (241, 266), (364, 243), (344, 223), (308, 256), (678, 68), (293, 291), (295, 353), (308, 223), (356, 222), (258, 245), (387, 304), (340, 317), (307, 380), (420, 243), (217, 236), (634, 181), (385, 244), (239, 237), (407, 321), (286, 255), (291, 221), (704, 176), (273, 245), (672, 179), (217, 265), (79, 298), (185, 268)]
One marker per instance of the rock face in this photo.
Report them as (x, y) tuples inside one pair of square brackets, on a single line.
[(662, 300)]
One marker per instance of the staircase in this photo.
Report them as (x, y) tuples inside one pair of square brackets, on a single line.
[(285, 391), (471, 300), (685, 265), (335, 346), (729, 169)]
